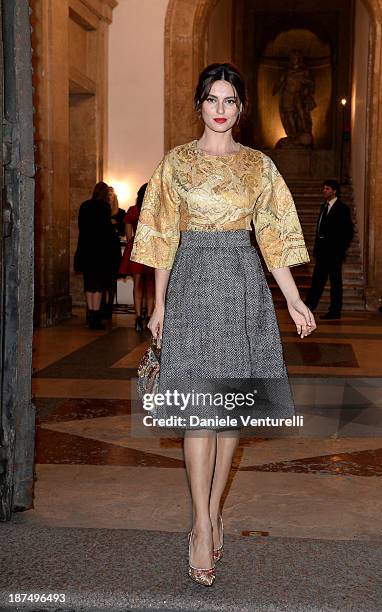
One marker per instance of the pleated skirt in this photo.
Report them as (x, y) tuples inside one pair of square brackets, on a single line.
[(220, 321)]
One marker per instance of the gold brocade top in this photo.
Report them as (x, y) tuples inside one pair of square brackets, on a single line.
[(192, 190)]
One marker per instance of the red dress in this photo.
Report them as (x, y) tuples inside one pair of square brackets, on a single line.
[(128, 267)]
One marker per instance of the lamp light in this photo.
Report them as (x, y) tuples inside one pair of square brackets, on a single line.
[(121, 188), (344, 101)]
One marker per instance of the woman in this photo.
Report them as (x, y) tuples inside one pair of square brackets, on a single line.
[(143, 276), (95, 250), (212, 302), (117, 217), (117, 214)]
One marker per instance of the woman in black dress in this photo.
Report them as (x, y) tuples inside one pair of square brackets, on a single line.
[(96, 247)]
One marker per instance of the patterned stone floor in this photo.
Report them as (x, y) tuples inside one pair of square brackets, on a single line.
[(322, 485), (82, 397)]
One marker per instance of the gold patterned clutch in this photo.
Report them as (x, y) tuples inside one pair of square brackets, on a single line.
[(148, 370)]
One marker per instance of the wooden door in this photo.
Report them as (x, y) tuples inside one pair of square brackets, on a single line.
[(16, 261)]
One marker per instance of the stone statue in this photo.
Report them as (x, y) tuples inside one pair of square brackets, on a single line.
[(296, 101)]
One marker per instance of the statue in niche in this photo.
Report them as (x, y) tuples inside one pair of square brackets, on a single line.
[(296, 101)]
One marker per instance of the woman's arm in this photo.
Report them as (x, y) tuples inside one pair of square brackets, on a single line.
[(128, 231), (300, 313), (156, 321)]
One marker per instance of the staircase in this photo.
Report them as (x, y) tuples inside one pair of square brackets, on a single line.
[(308, 198)]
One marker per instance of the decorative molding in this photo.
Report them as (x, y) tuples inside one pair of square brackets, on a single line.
[(79, 83), (82, 15), (103, 9)]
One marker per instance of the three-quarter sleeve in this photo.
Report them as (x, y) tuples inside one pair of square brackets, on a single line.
[(277, 226), (157, 237)]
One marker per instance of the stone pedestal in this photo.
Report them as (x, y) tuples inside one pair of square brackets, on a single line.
[(304, 163)]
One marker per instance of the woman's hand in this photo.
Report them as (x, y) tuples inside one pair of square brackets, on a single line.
[(155, 325), (302, 317)]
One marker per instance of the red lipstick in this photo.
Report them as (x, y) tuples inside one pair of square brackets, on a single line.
[(220, 120)]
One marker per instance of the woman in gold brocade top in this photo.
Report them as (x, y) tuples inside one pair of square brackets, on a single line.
[(213, 309)]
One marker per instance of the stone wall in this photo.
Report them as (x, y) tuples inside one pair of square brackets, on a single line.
[(359, 112), (69, 43), (136, 92)]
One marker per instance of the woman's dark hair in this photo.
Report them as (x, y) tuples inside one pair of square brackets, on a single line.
[(333, 185), (217, 72), (101, 191), (140, 195)]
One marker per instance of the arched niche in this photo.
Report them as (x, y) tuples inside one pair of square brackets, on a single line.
[(273, 60), (186, 53)]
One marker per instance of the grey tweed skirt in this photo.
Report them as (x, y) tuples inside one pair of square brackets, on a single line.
[(220, 322)]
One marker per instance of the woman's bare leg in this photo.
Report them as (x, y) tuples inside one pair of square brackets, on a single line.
[(137, 293), (93, 299), (199, 455), (226, 445), (97, 295), (89, 300)]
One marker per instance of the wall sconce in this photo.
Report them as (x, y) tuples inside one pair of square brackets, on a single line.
[(344, 101)]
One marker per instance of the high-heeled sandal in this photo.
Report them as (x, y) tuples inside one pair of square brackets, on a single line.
[(219, 552), (204, 577)]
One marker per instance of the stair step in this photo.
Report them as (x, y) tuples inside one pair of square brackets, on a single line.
[(355, 283), (310, 226), (348, 293), (321, 308), (348, 303), (347, 279)]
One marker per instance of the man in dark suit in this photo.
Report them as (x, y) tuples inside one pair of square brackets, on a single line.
[(334, 232)]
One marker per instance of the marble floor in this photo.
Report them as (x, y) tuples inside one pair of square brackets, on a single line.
[(321, 485), (311, 486)]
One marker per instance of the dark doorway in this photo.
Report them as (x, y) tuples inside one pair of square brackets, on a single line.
[(16, 260)]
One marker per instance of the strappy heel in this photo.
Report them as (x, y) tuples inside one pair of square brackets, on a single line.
[(204, 577), (219, 552)]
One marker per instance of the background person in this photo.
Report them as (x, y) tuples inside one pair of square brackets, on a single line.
[(95, 249), (143, 276), (117, 213), (117, 220), (334, 232)]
